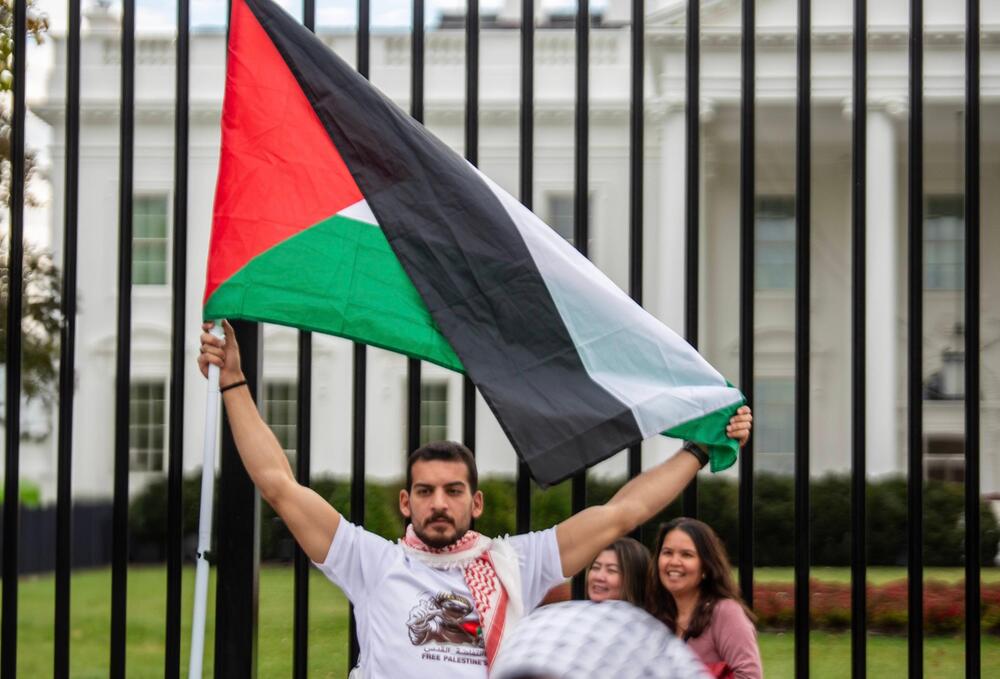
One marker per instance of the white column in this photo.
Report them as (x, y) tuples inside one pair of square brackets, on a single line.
[(663, 256), (881, 305), (667, 300)]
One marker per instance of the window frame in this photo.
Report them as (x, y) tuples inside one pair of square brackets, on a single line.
[(553, 195), (788, 200), (133, 450), (283, 429), (935, 282), (441, 427), (783, 460), (951, 463), (166, 195)]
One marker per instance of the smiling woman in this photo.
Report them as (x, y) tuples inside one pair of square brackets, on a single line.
[(619, 572), (691, 590)]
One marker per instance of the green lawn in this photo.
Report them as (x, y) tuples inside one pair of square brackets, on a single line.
[(877, 575), (328, 629)]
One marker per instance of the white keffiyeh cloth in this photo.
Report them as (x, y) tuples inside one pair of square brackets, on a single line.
[(590, 640)]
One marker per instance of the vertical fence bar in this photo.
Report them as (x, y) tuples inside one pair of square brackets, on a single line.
[(691, 207), (472, 155), (413, 386), (581, 192), (973, 604), (303, 463), (417, 63), (364, 37), (67, 350), (581, 208), (469, 413), (636, 157), (413, 366), (358, 468), (15, 267), (747, 182), (360, 364), (309, 14), (859, 519), (527, 193), (119, 548), (175, 458), (303, 455), (915, 491), (238, 535), (803, 222)]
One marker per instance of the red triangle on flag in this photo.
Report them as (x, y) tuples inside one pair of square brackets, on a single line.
[(279, 172)]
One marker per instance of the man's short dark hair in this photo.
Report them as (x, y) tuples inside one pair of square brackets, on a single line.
[(447, 451)]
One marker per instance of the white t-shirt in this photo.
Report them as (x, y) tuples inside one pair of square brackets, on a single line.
[(418, 621)]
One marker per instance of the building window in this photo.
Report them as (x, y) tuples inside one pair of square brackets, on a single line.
[(945, 459), (433, 412), (149, 241), (948, 383), (944, 243), (774, 425), (560, 208), (774, 243), (147, 427), (281, 412)]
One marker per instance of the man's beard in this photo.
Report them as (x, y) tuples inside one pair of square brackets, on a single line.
[(440, 542)]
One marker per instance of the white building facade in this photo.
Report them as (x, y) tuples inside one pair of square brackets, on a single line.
[(664, 214)]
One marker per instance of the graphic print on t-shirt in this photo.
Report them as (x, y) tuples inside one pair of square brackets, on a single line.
[(447, 626)]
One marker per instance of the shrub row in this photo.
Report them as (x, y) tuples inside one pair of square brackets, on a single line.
[(830, 607), (773, 526)]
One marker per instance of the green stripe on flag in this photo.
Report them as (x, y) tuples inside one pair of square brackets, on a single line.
[(710, 431), (338, 277)]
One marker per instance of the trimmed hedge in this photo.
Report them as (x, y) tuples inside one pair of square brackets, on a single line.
[(830, 607), (148, 517), (774, 520)]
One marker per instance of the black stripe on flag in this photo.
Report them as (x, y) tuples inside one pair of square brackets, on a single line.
[(467, 260)]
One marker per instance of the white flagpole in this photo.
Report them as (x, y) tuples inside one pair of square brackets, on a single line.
[(205, 519)]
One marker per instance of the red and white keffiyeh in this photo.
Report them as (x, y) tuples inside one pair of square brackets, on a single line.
[(492, 574)]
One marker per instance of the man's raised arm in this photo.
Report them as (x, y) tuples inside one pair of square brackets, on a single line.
[(582, 536), (308, 516)]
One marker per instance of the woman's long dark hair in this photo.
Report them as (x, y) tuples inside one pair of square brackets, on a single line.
[(717, 584), (633, 565)]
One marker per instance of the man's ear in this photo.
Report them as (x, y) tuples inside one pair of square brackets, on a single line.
[(404, 503), (477, 504)]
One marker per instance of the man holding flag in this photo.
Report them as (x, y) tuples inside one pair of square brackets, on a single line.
[(441, 599), (335, 212)]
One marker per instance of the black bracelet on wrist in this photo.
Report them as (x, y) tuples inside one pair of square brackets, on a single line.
[(232, 386), (697, 451)]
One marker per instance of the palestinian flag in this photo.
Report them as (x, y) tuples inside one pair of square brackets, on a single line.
[(336, 212)]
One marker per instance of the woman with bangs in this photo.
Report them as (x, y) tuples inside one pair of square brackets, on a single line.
[(620, 572)]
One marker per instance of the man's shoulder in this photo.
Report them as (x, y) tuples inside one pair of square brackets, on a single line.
[(352, 539), (543, 534)]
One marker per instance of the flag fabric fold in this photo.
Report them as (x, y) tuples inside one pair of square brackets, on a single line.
[(337, 212)]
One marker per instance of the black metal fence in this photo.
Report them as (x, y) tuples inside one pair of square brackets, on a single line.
[(237, 562)]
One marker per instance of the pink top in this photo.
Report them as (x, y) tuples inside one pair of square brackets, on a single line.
[(731, 638)]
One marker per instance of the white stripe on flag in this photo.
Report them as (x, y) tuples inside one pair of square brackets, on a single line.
[(359, 212), (626, 350)]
